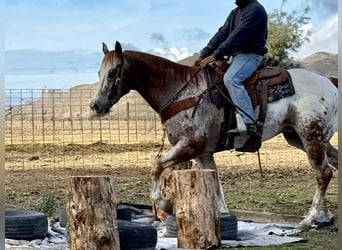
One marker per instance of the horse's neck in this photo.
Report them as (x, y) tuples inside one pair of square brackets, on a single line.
[(157, 80)]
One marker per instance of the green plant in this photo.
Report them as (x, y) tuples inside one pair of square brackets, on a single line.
[(286, 33), (48, 204)]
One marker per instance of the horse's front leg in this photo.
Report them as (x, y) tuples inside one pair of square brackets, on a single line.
[(183, 150)]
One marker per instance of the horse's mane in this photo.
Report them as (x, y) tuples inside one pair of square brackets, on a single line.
[(159, 64)]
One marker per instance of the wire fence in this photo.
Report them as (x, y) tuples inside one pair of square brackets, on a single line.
[(52, 128)]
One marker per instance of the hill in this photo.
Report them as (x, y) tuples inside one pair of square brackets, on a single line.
[(321, 62)]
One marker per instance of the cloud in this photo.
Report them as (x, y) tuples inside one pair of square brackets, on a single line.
[(194, 34), (173, 53), (158, 37), (327, 6), (324, 38)]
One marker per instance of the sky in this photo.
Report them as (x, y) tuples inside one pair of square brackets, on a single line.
[(172, 28)]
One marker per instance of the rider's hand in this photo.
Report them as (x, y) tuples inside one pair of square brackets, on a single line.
[(206, 61), (197, 61)]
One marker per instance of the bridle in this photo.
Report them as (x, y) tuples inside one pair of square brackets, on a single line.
[(118, 74)]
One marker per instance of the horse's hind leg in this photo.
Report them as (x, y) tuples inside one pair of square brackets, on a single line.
[(332, 155), (316, 150), (294, 140)]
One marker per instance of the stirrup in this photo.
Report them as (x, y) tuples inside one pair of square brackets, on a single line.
[(251, 129)]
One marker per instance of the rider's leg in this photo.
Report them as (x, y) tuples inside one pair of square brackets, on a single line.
[(243, 66)]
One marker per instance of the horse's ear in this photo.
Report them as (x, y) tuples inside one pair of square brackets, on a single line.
[(105, 48), (118, 49)]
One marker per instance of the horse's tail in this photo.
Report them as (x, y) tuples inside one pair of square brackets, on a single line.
[(334, 80)]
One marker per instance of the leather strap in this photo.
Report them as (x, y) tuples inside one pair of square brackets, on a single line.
[(176, 107), (263, 104)]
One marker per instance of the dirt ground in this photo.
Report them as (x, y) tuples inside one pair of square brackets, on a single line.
[(281, 190)]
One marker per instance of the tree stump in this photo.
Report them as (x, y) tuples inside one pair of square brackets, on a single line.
[(166, 181), (91, 207), (196, 210)]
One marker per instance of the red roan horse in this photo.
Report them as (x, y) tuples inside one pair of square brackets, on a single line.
[(311, 113)]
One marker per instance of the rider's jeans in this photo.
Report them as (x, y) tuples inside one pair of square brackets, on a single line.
[(242, 66)]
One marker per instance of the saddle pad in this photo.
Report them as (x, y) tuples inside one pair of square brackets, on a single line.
[(274, 92)]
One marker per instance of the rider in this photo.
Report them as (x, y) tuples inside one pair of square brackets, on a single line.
[(243, 38)]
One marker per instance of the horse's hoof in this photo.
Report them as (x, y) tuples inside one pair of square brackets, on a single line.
[(164, 205), (302, 227)]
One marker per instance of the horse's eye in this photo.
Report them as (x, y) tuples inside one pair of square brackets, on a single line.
[(112, 73)]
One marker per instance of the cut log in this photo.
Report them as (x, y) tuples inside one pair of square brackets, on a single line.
[(91, 208), (165, 187), (196, 210)]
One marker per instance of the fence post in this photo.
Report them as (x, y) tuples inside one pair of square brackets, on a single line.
[(91, 208)]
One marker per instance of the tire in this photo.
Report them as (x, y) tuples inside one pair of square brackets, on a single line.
[(129, 211), (228, 227), (139, 206), (25, 225), (123, 212), (136, 236)]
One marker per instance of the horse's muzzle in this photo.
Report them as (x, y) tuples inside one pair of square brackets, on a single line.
[(98, 109)]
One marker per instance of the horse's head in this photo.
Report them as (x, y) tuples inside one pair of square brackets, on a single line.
[(111, 87)]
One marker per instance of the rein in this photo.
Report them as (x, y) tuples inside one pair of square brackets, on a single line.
[(225, 96), (162, 145), (173, 98)]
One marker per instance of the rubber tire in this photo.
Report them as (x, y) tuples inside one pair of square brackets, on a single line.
[(134, 235), (228, 226), (25, 225), (123, 212)]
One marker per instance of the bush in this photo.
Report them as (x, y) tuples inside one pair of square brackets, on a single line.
[(48, 204), (286, 34)]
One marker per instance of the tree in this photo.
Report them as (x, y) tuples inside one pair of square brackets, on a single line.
[(285, 34)]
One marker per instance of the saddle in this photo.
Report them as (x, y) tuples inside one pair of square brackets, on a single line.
[(262, 85), (265, 85)]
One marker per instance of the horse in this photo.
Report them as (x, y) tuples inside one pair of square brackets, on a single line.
[(193, 132)]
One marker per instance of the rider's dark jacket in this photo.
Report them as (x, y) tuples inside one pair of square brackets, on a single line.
[(244, 31)]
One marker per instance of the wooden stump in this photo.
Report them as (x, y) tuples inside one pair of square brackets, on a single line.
[(166, 181), (91, 208), (196, 210)]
